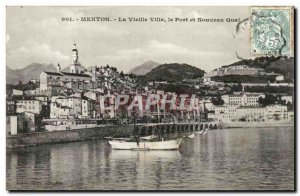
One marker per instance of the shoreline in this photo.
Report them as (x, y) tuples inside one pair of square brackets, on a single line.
[(51, 137), (92, 133)]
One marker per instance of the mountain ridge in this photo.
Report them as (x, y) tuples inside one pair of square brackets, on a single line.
[(31, 71), (144, 68), (169, 72)]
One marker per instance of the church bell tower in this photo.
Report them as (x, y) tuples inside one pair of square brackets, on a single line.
[(75, 66), (74, 55), (58, 67)]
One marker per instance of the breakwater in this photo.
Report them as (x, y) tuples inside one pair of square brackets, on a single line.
[(256, 124), (40, 138)]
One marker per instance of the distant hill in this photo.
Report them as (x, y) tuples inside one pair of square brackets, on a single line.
[(32, 71), (282, 65), (144, 68), (66, 69), (174, 72)]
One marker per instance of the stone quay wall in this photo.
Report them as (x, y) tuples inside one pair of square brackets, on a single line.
[(256, 124), (39, 138)]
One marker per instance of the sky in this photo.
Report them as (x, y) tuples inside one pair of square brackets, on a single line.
[(38, 34)]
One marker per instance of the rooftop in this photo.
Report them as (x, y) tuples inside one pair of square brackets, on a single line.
[(249, 107), (53, 73), (75, 74)]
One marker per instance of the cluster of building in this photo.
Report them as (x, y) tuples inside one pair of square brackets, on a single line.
[(242, 70), (234, 70), (244, 106), (87, 97), (65, 95), (80, 98)]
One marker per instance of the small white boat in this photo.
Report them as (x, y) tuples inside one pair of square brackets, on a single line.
[(150, 137), (191, 136), (138, 143), (123, 139), (205, 132), (145, 145)]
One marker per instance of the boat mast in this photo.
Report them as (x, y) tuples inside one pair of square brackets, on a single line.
[(136, 134)]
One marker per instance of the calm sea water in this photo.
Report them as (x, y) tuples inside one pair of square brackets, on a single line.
[(227, 159)]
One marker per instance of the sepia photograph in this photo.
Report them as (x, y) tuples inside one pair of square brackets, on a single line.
[(150, 98)]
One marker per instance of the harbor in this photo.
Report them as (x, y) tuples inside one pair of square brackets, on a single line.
[(49, 137), (150, 98), (222, 159)]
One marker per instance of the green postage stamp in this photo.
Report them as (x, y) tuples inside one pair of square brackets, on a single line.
[(272, 31)]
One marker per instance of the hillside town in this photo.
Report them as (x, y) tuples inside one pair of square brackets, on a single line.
[(82, 98)]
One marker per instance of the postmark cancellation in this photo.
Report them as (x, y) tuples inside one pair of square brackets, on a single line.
[(272, 31)]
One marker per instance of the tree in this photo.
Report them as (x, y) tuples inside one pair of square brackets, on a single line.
[(114, 69), (237, 88), (20, 85), (270, 100), (217, 100), (122, 74), (290, 106)]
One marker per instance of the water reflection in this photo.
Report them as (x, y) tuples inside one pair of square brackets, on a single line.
[(228, 159), (143, 156)]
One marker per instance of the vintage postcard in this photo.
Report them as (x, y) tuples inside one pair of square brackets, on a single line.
[(150, 98)]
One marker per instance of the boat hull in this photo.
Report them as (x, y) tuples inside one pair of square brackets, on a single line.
[(160, 145)]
